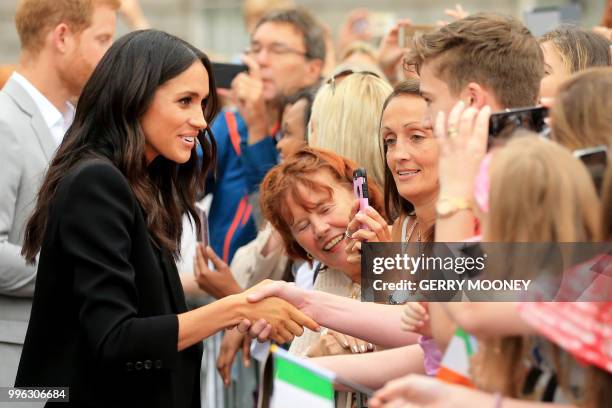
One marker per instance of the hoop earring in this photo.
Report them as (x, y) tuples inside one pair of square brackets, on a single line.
[(309, 256)]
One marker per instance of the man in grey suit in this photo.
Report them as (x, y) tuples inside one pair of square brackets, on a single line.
[(61, 43)]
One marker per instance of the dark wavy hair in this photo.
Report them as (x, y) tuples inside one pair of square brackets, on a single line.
[(106, 125)]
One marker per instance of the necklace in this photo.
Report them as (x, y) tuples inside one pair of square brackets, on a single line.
[(354, 290), (412, 228)]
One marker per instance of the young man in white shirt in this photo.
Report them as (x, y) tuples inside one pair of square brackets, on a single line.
[(61, 43)]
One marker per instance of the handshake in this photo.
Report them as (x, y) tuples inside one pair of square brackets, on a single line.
[(273, 310)]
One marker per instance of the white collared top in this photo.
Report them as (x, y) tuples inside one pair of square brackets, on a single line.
[(57, 122)]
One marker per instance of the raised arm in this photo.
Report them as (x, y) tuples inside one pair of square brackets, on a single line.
[(378, 324), (374, 369), (488, 319)]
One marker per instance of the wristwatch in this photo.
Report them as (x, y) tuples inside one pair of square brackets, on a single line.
[(447, 206)]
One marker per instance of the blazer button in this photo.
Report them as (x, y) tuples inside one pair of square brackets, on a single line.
[(129, 366), (158, 364), (148, 364), (138, 365)]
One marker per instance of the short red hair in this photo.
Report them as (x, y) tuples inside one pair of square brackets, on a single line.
[(284, 180), (35, 18)]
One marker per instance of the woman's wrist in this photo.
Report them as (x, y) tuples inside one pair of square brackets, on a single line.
[(460, 394), (457, 189), (235, 306)]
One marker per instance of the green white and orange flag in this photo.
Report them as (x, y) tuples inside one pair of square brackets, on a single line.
[(455, 366), (300, 384)]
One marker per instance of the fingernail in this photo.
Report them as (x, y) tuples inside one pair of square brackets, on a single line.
[(346, 344), (363, 349), (370, 346), (355, 349)]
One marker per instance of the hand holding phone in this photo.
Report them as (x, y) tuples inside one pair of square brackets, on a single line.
[(502, 125), (224, 73)]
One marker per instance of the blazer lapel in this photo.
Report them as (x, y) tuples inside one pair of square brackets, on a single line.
[(27, 105)]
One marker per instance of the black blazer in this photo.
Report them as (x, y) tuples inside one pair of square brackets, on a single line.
[(104, 318)]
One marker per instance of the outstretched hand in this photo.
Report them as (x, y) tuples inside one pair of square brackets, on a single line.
[(456, 13), (288, 292), (421, 391), (278, 304), (416, 318)]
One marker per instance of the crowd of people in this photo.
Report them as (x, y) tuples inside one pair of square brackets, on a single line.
[(109, 147)]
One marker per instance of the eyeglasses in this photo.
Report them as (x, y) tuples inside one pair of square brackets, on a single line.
[(274, 49), (335, 79)]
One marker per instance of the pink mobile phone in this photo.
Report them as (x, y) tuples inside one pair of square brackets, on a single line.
[(360, 187)]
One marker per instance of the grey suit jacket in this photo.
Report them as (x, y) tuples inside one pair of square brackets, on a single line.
[(26, 147)]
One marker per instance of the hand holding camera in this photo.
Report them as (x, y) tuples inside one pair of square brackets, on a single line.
[(247, 94)]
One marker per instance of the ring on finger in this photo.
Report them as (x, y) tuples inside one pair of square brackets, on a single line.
[(347, 235), (452, 132)]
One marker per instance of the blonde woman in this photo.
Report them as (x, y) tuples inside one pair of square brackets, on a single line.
[(569, 49), (345, 118), (581, 112)]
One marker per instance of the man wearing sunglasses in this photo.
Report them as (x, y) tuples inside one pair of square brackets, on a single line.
[(286, 54)]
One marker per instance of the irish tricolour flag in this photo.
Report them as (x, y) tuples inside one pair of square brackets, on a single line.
[(300, 384), (455, 365)]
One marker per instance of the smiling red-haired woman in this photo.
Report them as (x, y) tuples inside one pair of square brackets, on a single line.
[(309, 200)]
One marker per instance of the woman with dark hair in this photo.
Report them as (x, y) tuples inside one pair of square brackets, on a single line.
[(109, 318)]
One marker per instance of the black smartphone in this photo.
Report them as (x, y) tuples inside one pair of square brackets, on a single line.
[(596, 160), (225, 73), (503, 124)]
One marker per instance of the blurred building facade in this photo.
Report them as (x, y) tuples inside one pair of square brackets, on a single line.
[(217, 25)]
